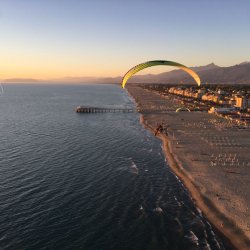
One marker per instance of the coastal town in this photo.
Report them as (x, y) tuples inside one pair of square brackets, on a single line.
[(229, 101)]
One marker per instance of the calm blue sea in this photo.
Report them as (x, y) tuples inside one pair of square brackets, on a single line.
[(88, 181)]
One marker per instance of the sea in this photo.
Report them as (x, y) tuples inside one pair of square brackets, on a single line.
[(96, 181)]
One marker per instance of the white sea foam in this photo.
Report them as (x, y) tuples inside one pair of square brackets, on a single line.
[(134, 168), (207, 247), (192, 237), (158, 210), (199, 211)]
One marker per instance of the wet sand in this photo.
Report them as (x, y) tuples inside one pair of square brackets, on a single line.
[(210, 155)]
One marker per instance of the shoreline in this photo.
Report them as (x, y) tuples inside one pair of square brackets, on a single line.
[(198, 199), (208, 205)]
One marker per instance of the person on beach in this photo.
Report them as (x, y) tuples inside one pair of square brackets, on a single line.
[(158, 129)]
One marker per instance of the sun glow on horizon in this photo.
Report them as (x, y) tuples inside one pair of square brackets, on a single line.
[(56, 39), (55, 69)]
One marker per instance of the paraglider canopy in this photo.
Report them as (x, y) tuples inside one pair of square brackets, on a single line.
[(142, 66), (183, 109)]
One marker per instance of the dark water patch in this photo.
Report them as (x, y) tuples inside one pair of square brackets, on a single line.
[(99, 181)]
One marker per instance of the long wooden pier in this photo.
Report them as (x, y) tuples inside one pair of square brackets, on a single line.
[(86, 109)]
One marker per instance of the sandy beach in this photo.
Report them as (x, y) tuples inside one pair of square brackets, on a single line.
[(210, 155)]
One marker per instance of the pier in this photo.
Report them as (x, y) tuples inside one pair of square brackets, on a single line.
[(87, 109)]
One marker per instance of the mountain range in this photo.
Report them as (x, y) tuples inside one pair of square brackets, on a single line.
[(211, 73)]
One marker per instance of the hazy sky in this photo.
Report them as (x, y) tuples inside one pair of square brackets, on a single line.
[(56, 38)]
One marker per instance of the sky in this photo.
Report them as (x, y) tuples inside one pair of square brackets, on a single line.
[(48, 39)]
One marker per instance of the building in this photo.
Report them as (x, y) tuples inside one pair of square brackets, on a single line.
[(221, 110), (241, 102)]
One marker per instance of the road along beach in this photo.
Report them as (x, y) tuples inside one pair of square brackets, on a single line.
[(210, 156)]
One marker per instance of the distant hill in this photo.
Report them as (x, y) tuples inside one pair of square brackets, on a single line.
[(210, 73), (234, 74), (21, 80)]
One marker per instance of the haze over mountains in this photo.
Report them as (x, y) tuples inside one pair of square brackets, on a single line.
[(211, 73)]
